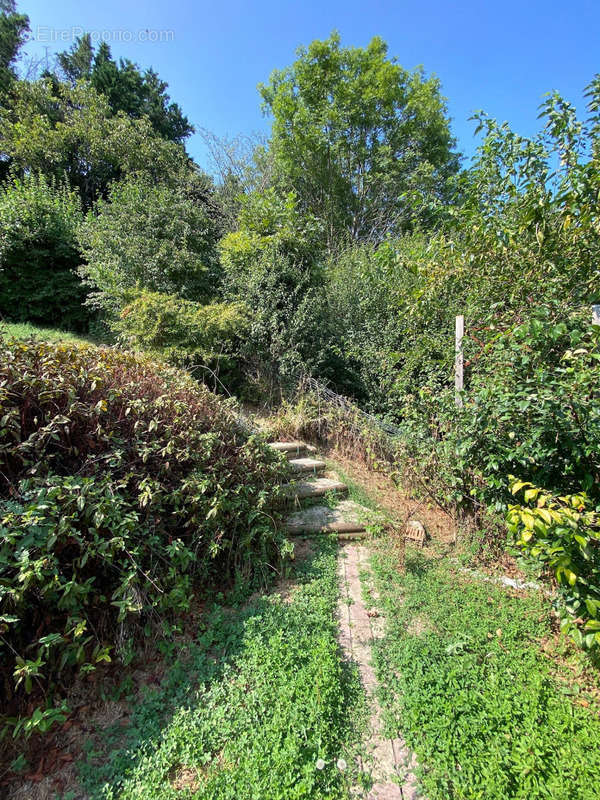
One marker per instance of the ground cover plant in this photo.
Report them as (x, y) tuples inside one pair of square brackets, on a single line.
[(260, 706), (337, 250), (124, 487), (473, 680), (26, 330)]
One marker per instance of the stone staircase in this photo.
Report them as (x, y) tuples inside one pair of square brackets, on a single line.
[(346, 518)]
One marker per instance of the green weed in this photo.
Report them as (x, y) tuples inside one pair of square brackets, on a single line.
[(259, 704), (464, 679)]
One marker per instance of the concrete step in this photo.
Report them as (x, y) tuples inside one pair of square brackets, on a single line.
[(347, 517), (307, 465), (290, 449), (315, 488)]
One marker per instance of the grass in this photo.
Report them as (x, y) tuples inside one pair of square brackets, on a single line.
[(25, 330), (488, 710), (355, 491), (260, 698)]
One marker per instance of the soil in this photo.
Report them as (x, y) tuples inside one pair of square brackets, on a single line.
[(401, 506)]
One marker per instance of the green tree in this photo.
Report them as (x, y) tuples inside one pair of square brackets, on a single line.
[(137, 94), (152, 237), (60, 130), (273, 264), (76, 63), (13, 30), (365, 144)]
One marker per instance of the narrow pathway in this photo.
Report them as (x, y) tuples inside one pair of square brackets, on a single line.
[(389, 761)]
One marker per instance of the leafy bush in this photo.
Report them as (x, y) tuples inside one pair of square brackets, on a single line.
[(532, 408), (269, 222), (563, 534), (369, 290), (272, 264), (149, 236), (39, 254), (186, 333), (124, 487)]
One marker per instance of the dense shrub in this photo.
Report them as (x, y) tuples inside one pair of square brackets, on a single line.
[(150, 236), (369, 291), (268, 222), (273, 264), (532, 408), (39, 254), (124, 487), (187, 333)]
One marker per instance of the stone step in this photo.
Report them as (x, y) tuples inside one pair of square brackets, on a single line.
[(307, 465), (315, 488), (347, 517), (290, 449)]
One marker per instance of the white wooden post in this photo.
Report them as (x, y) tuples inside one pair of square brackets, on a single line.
[(458, 361), (596, 315)]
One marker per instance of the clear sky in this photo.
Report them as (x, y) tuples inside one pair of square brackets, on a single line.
[(497, 55)]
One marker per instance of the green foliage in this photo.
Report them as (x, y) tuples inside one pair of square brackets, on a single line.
[(39, 253), (269, 225), (184, 332), (272, 264), (563, 534), (60, 130), (149, 237), (463, 678), (524, 236), (124, 487), (365, 143), (519, 258), (126, 88), (24, 330), (13, 31), (532, 407), (368, 288), (272, 697)]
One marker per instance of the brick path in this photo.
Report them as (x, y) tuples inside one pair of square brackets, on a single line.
[(384, 758)]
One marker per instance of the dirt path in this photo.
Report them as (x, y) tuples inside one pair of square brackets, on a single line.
[(389, 761)]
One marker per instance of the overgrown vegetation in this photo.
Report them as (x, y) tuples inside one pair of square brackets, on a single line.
[(39, 254), (271, 712), (124, 488), (339, 249), (467, 681)]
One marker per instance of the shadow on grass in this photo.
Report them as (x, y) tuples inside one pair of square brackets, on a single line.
[(260, 697), (417, 564)]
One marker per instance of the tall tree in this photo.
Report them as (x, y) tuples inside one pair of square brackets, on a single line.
[(76, 63), (13, 30), (364, 143), (138, 94), (65, 131)]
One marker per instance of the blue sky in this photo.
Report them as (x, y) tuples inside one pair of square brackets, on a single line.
[(496, 55)]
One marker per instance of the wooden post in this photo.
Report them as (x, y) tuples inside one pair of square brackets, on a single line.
[(458, 361), (596, 315)]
